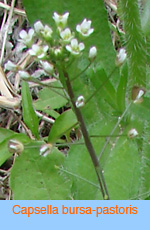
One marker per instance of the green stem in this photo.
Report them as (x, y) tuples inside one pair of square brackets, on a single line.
[(135, 42), (87, 140)]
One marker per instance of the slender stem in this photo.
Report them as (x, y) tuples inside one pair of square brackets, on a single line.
[(87, 140), (75, 175), (81, 72), (100, 86), (118, 122), (48, 86)]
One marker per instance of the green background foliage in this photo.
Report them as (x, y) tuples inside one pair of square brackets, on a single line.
[(108, 114)]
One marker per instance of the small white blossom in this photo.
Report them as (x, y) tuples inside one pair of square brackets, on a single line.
[(44, 31), (38, 26), (66, 35), (38, 51), (132, 133), (45, 150), (80, 102), (15, 146), (48, 67), (24, 75), (85, 28), (61, 20), (26, 38), (121, 57), (92, 53), (11, 66), (47, 32), (75, 48)]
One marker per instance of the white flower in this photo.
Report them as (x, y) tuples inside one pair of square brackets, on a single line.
[(44, 31), (48, 67), (92, 53), (80, 102), (74, 47), (85, 28), (61, 20), (24, 75), (47, 32), (38, 26), (26, 38), (11, 66), (15, 146), (38, 51), (121, 57), (45, 150), (132, 133), (66, 35)]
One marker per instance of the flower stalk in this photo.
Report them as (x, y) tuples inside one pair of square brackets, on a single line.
[(87, 140)]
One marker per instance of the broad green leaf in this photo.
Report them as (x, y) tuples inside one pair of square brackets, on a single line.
[(29, 116), (62, 125), (5, 133), (141, 111), (36, 178), (79, 167), (122, 171), (4, 152), (144, 190)]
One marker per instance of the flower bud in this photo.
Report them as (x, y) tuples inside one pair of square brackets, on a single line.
[(92, 53), (121, 57), (15, 146), (45, 150), (48, 67), (80, 102), (132, 133), (137, 94)]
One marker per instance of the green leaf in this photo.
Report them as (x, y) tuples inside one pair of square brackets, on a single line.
[(122, 87), (5, 133), (141, 111), (103, 86), (144, 190), (79, 167), (145, 18), (122, 171), (63, 123), (29, 116), (49, 100), (36, 178), (4, 152)]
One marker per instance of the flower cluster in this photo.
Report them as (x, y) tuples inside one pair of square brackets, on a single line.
[(45, 44), (65, 41)]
